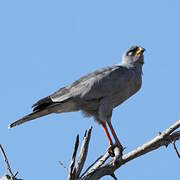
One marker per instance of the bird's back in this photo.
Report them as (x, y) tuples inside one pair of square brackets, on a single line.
[(114, 84)]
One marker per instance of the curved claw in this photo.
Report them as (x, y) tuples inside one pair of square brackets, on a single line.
[(113, 153)]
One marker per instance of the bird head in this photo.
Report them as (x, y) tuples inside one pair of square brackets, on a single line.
[(134, 56)]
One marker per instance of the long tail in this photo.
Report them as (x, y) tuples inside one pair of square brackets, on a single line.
[(44, 107), (30, 117)]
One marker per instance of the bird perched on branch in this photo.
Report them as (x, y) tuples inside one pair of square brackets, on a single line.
[(96, 94)]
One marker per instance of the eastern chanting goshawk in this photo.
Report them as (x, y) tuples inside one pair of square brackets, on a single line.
[(96, 94)]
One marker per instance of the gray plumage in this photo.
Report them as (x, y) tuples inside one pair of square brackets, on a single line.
[(97, 93)]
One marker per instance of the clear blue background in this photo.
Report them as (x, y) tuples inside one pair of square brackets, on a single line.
[(48, 44)]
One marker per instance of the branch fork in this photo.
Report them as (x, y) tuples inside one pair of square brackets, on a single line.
[(100, 168), (9, 176)]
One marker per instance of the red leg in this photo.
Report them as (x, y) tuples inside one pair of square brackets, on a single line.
[(107, 133), (114, 134)]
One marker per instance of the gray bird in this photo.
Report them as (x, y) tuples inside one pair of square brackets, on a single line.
[(96, 94)]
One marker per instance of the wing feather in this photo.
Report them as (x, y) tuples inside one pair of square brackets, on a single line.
[(94, 85)]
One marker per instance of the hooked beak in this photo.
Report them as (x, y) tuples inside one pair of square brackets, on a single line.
[(140, 51)]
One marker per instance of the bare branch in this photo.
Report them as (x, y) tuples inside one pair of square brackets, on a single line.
[(172, 128), (98, 163), (83, 152), (174, 144), (71, 172), (113, 175), (7, 176), (7, 162), (162, 139), (101, 167)]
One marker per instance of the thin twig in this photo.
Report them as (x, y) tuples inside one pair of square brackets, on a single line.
[(62, 164), (177, 152), (113, 175), (7, 162)]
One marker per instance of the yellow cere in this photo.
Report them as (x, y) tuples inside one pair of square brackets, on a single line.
[(138, 52)]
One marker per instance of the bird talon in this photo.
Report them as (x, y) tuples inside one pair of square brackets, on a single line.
[(112, 148)]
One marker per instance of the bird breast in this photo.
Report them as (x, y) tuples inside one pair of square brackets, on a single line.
[(128, 89)]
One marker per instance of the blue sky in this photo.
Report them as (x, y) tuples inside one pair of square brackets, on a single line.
[(48, 44)]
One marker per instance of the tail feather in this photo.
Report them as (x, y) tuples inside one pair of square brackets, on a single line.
[(45, 107), (30, 117)]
